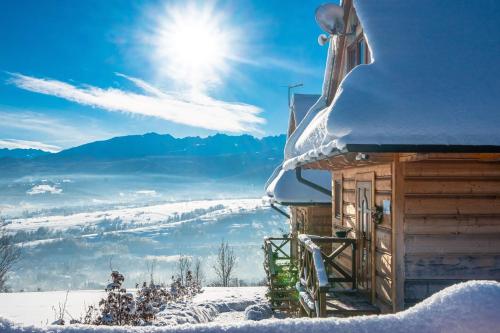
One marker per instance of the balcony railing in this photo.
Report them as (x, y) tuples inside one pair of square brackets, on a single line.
[(320, 270)]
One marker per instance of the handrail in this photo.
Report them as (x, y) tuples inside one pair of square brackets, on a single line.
[(318, 261), (318, 270)]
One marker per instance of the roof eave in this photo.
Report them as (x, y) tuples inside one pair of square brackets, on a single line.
[(403, 148)]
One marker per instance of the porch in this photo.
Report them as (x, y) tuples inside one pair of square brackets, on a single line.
[(324, 287)]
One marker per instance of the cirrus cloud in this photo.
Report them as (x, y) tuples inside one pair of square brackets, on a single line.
[(192, 109), (26, 144)]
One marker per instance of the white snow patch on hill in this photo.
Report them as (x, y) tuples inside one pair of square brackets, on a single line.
[(44, 188), (467, 307), (148, 215)]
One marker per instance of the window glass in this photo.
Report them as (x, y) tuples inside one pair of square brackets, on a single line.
[(361, 52), (337, 198), (351, 58)]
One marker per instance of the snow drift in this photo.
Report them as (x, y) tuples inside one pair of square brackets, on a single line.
[(466, 307)]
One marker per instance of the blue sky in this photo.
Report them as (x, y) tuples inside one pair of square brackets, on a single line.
[(78, 71)]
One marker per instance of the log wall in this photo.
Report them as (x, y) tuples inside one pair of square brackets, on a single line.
[(451, 224)]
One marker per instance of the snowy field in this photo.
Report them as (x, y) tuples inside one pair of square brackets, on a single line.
[(36, 308), (463, 308)]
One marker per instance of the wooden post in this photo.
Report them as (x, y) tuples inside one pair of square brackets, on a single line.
[(322, 304), (373, 255), (353, 269), (398, 245)]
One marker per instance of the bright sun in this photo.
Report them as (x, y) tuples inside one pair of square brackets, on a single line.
[(194, 46)]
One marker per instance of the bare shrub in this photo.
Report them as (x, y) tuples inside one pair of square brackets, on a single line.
[(198, 273), (224, 264), (10, 254), (183, 266)]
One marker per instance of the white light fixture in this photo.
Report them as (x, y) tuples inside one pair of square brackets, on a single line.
[(323, 39), (361, 157)]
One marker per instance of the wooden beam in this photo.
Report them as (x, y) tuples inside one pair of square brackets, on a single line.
[(415, 157), (373, 243), (398, 249)]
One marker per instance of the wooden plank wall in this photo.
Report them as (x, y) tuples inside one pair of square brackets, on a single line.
[(451, 224), (315, 220), (381, 175)]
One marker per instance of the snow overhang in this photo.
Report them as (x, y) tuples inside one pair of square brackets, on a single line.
[(301, 103), (432, 86), (284, 188)]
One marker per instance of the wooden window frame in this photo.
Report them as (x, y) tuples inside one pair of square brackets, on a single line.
[(354, 48)]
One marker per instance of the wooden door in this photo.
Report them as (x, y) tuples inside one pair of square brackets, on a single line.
[(364, 226)]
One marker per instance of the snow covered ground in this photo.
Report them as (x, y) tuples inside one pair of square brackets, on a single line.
[(214, 304), (466, 307), (35, 308)]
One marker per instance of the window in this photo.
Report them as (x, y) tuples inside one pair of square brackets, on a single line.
[(351, 58), (337, 188), (357, 54)]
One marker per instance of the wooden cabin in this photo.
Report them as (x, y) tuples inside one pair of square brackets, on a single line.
[(414, 151)]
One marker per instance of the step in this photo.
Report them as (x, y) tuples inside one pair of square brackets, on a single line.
[(349, 303)]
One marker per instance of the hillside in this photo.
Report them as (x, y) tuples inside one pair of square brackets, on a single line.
[(22, 153)]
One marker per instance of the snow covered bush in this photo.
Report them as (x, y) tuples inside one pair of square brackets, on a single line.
[(258, 312), (123, 308), (118, 308)]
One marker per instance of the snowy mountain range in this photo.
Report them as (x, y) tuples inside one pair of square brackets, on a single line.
[(217, 156)]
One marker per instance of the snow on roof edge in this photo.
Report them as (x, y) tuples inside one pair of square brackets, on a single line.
[(286, 189), (320, 104)]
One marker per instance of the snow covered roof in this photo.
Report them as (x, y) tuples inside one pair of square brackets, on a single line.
[(284, 188), (301, 103), (434, 82)]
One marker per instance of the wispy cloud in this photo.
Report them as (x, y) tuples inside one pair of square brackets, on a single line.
[(197, 110), (36, 126), (25, 144)]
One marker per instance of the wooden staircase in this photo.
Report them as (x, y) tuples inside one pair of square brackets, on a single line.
[(349, 303), (280, 268), (327, 289)]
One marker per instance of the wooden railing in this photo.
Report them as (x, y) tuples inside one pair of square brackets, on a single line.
[(280, 268), (319, 270)]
